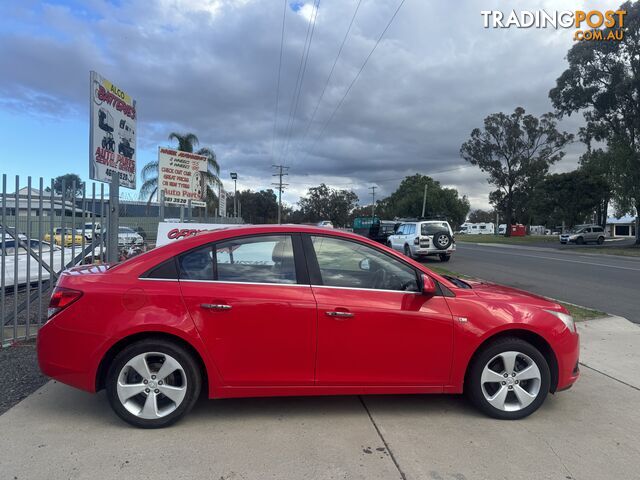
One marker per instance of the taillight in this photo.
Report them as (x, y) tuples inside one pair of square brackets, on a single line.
[(61, 298), (416, 241)]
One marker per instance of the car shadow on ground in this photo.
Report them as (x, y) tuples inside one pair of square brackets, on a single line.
[(70, 405)]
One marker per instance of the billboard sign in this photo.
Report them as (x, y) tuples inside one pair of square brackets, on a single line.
[(171, 231), (180, 175), (112, 133)]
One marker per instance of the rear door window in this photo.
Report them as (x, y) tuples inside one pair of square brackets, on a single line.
[(261, 259)]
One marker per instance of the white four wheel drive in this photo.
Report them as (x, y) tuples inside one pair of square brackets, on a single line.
[(424, 238)]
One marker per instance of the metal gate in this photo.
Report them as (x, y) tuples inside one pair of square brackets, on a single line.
[(44, 230)]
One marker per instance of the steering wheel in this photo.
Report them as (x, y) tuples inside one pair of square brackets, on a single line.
[(379, 279)]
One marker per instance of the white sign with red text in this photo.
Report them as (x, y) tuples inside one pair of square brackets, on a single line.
[(171, 231), (180, 176)]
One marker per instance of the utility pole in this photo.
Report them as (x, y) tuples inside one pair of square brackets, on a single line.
[(373, 201), (281, 171), (424, 200)]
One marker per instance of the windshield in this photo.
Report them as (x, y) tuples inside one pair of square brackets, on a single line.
[(433, 228)]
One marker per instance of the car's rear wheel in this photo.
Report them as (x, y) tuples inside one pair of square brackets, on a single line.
[(153, 383), (444, 257), (600, 240), (509, 379), (407, 251)]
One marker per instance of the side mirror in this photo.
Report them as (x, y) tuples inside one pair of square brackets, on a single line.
[(364, 264), (428, 286)]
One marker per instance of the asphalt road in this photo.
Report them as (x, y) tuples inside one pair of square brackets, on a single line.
[(604, 282)]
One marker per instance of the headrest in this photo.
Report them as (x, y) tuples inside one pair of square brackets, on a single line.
[(281, 253)]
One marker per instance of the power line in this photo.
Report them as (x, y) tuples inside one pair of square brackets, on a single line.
[(335, 62), (281, 172), (301, 72), (355, 79), (275, 116)]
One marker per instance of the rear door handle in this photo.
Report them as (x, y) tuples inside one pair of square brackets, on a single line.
[(340, 314), (215, 306)]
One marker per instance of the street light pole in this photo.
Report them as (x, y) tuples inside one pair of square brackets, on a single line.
[(234, 177)]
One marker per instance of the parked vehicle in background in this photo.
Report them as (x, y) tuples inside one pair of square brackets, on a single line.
[(502, 229), (64, 238), (325, 223), (127, 237), (477, 229), (374, 228), (61, 257), (537, 230), (88, 233), (424, 238), (582, 234), (294, 310)]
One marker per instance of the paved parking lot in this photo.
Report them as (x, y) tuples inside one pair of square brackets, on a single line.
[(588, 432)]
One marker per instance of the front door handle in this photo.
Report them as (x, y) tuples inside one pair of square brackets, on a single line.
[(340, 314), (215, 306)]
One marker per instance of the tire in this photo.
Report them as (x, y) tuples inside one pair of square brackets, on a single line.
[(444, 257), (489, 365), (580, 241), (183, 371), (407, 251), (600, 240), (442, 240)]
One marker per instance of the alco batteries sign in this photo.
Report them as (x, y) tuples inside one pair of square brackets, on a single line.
[(112, 133)]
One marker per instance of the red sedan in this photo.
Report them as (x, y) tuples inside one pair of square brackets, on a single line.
[(292, 310)]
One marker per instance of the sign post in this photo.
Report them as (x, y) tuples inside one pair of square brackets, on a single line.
[(114, 211)]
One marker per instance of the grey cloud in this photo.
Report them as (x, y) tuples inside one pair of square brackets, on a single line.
[(433, 78)]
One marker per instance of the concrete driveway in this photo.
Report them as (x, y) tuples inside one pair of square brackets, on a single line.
[(588, 432)]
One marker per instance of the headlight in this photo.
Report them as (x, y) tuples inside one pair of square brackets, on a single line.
[(565, 318)]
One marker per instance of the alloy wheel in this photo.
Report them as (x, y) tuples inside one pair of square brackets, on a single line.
[(151, 385), (510, 381)]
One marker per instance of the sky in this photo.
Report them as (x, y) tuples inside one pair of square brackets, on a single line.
[(210, 67)]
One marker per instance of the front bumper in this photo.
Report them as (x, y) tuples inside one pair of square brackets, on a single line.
[(568, 357)]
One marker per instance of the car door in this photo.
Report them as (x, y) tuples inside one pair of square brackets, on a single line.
[(396, 237), (253, 306), (374, 325)]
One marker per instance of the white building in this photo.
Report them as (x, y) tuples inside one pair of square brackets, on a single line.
[(621, 227)]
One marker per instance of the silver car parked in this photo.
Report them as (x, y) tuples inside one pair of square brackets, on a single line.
[(584, 234)]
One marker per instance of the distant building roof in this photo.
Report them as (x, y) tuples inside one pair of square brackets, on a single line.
[(622, 220)]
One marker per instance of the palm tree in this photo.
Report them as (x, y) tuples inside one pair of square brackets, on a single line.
[(186, 143)]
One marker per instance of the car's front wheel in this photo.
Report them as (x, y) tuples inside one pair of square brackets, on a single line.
[(153, 383), (509, 379)]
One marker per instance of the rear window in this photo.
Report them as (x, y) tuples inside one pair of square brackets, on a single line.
[(433, 228)]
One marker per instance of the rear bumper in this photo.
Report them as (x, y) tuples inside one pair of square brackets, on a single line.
[(69, 356)]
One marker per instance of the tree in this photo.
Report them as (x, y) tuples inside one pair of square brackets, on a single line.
[(481, 216), (259, 207), (186, 143), (603, 81), (68, 179), (324, 203), (599, 163), (407, 200), (570, 197), (516, 151)]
